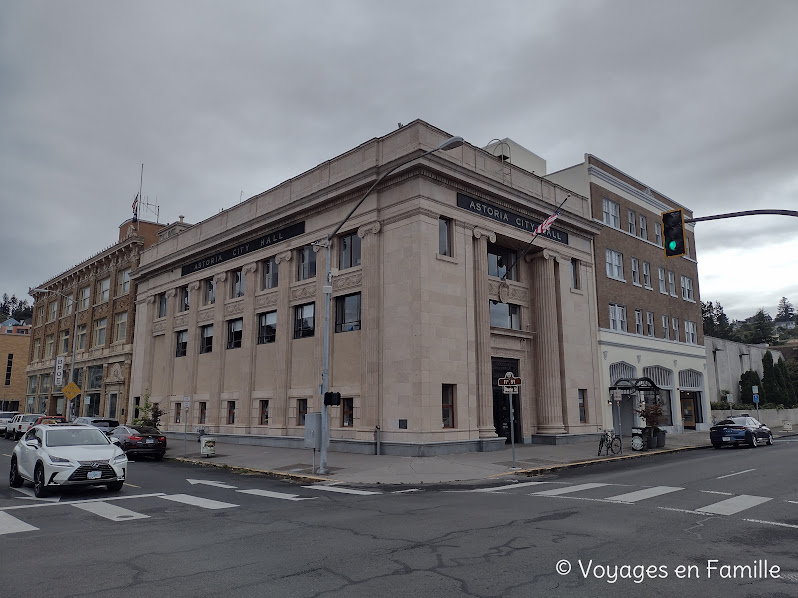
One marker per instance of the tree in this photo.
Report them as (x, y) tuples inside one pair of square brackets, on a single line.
[(149, 413), (789, 386), (748, 380), (716, 322), (785, 312), (11, 307), (758, 328), (774, 392), (708, 315)]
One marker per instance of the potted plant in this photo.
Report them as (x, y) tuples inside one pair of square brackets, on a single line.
[(651, 413)]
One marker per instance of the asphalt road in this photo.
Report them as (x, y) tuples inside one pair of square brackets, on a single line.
[(668, 525)]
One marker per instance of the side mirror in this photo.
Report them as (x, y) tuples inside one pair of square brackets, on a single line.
[(32, 443), (115, 441)]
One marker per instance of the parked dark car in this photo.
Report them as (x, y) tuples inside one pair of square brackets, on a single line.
[(105, 423), (140, 440), (740, 430)]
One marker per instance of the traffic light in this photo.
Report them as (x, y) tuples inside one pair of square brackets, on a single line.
[(332, 398), (673, 233)]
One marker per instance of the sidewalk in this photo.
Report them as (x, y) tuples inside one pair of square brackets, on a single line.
[(351, 468)]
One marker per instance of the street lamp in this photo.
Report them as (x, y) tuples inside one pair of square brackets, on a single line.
[(68, 413), (450, 143)]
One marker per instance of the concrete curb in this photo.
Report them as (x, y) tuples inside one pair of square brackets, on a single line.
[(281, 475), (536, 471)]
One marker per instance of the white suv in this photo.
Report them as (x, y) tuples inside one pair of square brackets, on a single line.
[(5, 417), (20, 423), (64, 455)]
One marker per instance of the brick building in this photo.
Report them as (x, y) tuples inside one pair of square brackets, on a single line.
[(14, 349)]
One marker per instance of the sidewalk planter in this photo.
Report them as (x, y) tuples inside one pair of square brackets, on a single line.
[(651, 438), (661, 439)]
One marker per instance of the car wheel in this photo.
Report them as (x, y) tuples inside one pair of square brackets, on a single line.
[(14, 479), (716, 445), (770, 439), (754, 441), (115, 486), (39, 487)]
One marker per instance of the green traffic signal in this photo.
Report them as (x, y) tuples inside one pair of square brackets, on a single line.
[(672, 245), (673, 233)]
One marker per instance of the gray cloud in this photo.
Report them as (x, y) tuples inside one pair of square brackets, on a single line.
[(219, 102)]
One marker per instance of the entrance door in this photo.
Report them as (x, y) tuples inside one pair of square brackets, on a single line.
[(688, 412), (501, 402)]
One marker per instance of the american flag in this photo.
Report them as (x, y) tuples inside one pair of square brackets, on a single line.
[(135, 203), (546, 224)]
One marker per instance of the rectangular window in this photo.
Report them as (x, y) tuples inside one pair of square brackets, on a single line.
[(671, 284), (83, 298), (575, 282), (301, 411), (40, 316), (102, 290), (638, 321), (66, 309), (687, 288), (45, 384), (505, 315), (178, 412), (306, 263), (499, 259), (675, 326), (231, 412), (264, 413), (690, 335), (120, 327), (447, 405), (665, 328), (444, 236), (52, 311), (81, 337), (99, 332), (32, 380), (686, 246), (162, 305), (269, 273), (635, 271), (9, 367), (95, 376), (37, 345), (123, 282), (63, 342), (183, 298), (614, 264), (49, 341), (304, 320), (349, 251), (582, 414), (658, 233), (234, 333), (632, 219), (347, 413), (347, 313), (209, 291), (112, 399), (612, 213), (237, 279), (647, 275), (662, 288), (181, 343), (617, 317), (643, 228), (267, 327), (203, 412), (650, 323), (206, 339)]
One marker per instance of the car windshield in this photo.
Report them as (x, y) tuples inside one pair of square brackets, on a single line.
[(75, 437), (30, 418), (733, 421), (145, 429)]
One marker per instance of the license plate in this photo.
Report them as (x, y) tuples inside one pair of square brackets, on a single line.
[(727, 439), (150, 440), (94, 475)]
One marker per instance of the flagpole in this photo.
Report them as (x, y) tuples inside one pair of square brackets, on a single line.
[(141, 182), (529, 245)]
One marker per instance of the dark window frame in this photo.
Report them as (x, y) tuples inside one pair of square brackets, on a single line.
[(347, 412), (206, 340), (301, 411), (348, 246), (270, 274), (231, 413), (235, 337), (448, 397), (505, 255), (267, 333), (264, 411), (306, 263), (513, 315), (181, 346), (301, 329), (445, 245), (341, 304)]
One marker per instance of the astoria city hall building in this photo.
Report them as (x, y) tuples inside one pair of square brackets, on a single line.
[(230, 312)]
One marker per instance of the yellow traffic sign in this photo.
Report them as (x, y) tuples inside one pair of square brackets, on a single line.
[(71, 390)]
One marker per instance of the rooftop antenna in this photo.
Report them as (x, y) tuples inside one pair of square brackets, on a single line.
[(154, 208)]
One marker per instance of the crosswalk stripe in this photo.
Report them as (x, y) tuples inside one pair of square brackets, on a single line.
[(12, 525), (205, 503), (644, 494), (568, 489), (342, 490), (509, 486), (280, 495), (733, 505), (109, 511)]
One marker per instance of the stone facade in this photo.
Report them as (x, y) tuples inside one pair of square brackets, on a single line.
[(418, 354), (635, 346), (103, 353)]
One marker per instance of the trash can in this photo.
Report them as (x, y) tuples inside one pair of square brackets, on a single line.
[(208, 446)]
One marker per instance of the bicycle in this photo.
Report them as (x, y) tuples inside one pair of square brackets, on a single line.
[(609, 442)]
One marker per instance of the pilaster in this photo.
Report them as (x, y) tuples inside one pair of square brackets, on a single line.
[(485, 423), (370, 310), (278, 412), (219, 347), (170, 344), (248, 340)]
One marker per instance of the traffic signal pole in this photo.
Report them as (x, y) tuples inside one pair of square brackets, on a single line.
[(746, 213)]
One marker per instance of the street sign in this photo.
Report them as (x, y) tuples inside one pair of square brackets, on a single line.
[(755, 390), (617, 395), (186, 403), (71, 390), (510, 390), (509, 380), (58, 378), (756, 399)]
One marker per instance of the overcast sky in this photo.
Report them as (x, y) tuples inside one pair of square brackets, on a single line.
[(222, 100)]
